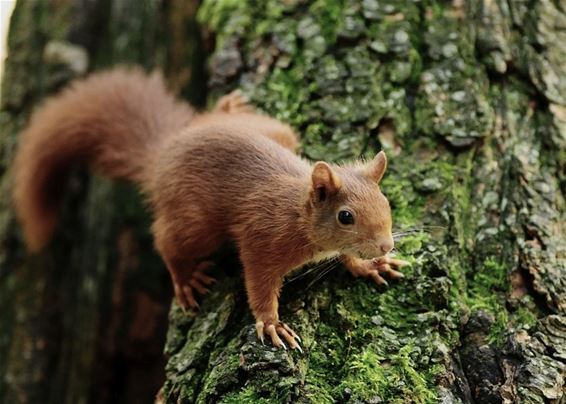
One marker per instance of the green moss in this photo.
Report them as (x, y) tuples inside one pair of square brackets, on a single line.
[(380, 367), (412, 244), (372, 355), (225, 366), (225, 17), (244, 396), (418, 389), (326, 356), (370, 376), (404, 203), (366, 376), (493, 276), (525, 316), (464, 222), (487, 291)]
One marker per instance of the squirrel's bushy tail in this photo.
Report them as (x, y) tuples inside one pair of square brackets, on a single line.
[(111, 121)]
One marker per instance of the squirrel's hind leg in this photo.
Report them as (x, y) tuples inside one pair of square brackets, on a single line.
[(234, 102), (181, 250), (237, 103), (281, 133), (188, 278)]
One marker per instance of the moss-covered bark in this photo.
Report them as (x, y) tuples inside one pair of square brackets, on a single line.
[(85, 321), (468, 101)]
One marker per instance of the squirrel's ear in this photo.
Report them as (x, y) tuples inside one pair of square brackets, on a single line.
[(376, 168), (325, 182)]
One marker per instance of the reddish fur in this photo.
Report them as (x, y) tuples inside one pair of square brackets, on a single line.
[(227, 174)]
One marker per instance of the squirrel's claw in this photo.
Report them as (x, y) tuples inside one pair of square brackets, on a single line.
[(394, 274), (195, 283), (189, 296), (272, 331), (288, 329), (275, 332), (393, 262), (185, 297), (186, 284), (291, 337), (378, 279), (200, 275), (375, 268), (386, 269), (386, 264), (259, 326)]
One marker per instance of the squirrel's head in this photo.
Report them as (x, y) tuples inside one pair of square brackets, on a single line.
[(349, 214)]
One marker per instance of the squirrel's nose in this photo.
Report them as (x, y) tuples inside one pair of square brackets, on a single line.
[(386, 246)]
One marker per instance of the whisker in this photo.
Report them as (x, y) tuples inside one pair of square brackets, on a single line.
[(324, 271), (400, 236), (424, 228), (322, 274), (409, 232), (316, 267)]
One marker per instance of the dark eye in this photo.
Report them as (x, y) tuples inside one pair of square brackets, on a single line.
[(345, 217)]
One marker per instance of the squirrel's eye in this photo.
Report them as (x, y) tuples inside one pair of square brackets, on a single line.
[(345, 217)]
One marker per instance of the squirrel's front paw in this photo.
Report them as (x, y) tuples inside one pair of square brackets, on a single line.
[(276, 329), (376, 266)]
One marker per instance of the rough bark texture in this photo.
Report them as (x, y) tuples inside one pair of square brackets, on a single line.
[(85, 321), (469, 102)]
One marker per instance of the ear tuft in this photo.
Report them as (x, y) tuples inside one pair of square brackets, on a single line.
[(376, 168), (325, 182)]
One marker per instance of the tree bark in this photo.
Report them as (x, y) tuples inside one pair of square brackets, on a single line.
[(85, 320), (468, 101)]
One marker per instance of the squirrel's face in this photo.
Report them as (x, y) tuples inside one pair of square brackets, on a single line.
[(349, 213)]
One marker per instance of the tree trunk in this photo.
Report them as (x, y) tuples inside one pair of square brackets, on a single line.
[(468, 101), (85, 321)]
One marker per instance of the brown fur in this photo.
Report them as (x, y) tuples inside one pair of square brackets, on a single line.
[(227, 174), (111, 120)]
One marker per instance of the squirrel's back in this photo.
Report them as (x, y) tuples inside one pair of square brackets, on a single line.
[(222, 162), (112, 120)]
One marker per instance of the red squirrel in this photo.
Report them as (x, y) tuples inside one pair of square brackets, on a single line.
[(228, 174)]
